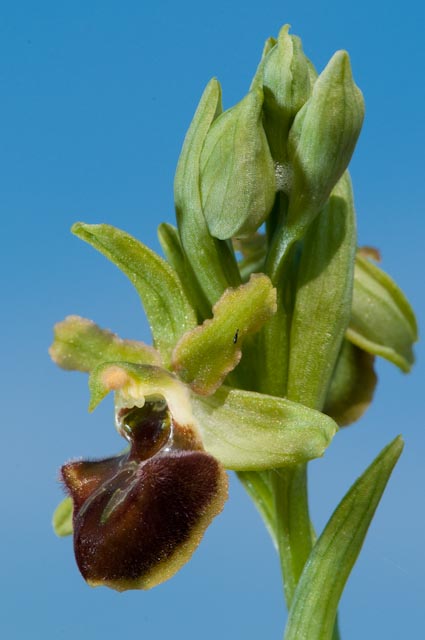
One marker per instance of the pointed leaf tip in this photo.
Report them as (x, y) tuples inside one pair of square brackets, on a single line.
[(215, 266), (322, 139), (313, 611)]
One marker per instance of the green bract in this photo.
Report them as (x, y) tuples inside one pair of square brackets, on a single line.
[(173, 250), (211, 261), (266, 320), (323, 293)]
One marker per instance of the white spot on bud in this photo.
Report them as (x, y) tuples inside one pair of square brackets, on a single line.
[(283, 173)]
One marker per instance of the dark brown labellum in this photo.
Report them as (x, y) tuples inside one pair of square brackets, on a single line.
[(139, 516)]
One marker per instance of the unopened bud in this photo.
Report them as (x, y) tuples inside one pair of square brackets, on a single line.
[(237, 171), (322, 139), (287, 86)]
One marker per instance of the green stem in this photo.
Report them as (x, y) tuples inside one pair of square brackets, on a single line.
[(292, 523), (257, 485), (293, 529), (281, 498), (281, 495)]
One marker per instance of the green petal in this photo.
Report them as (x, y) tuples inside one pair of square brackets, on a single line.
[(167, 308), (62, 518), (251, 431), (382, 320), (80, 345), (237, 170), (211, 260), (323, 298), (352, 386), (313, 611), (204, 356)]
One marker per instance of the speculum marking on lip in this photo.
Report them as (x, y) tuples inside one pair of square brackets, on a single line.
[(139, 516)]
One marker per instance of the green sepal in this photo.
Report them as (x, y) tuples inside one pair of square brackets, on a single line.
[(323, 297), (322, 140), (294, 531), (62, 518), (313, 611), (212, 260), (312, 71), (257, 81), (286, 86), (382, 320), (204, 356), (250, 431), (80, 345), (168, 310), (237, 170), (352, 386), (171, 245)]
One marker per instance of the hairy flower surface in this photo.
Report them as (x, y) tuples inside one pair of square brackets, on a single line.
[(138, 517)]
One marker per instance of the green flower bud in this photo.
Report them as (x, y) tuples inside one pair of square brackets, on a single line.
[(382, 321), (287, 86), (322, 139), (237, 171)]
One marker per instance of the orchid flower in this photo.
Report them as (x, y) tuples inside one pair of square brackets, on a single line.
[(266, 319), (138, 516)]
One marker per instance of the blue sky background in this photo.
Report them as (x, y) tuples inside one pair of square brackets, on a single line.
[(95, 99)]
